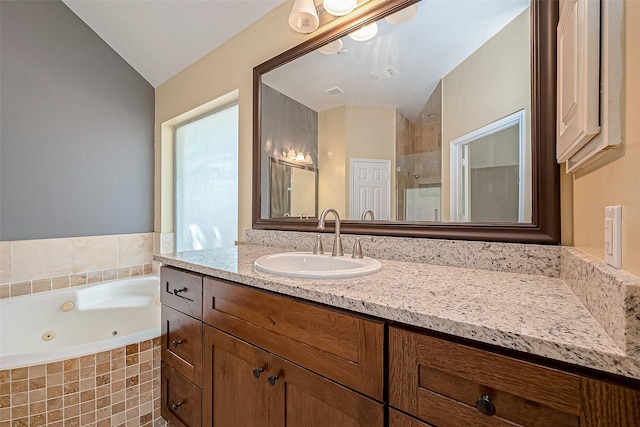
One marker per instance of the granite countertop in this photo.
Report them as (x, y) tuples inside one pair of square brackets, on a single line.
[(529, 313)]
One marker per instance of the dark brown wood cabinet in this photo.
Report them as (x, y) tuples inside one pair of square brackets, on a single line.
[(181, 347), (236, 356), (450, 384)]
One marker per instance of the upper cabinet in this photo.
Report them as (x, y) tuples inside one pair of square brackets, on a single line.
[(589, 80)]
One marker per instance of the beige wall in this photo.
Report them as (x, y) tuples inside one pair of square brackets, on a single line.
[(371, 134), (615, 178), (331, 160), (218, 73), (473, 93)]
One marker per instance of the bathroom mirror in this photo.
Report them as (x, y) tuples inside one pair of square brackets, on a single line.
[(443, 125), (293, 190)]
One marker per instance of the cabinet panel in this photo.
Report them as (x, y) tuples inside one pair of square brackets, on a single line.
[(181, 343), (302, 398), (343, 347), (448, 384), (398, 419), (609, 405), (236, 390), (181, 399), (181, 291)]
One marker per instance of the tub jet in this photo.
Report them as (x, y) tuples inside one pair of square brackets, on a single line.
[(48, 336)]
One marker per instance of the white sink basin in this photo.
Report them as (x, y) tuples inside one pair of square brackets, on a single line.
[(306, 264)]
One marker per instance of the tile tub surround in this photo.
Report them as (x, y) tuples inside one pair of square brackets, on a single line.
[(119, 387), (612, 296), (530, 313), (494, 256), (30, 266)]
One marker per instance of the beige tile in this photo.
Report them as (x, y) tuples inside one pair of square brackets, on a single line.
[(94, 277), (93, 253), (137, 270), (22, 288), (41, 285), (135, 249), (148, 268), (60, 282), (124, 272), (110, 274), (6, 262), (5, 291), (36, 259), (78, 279)]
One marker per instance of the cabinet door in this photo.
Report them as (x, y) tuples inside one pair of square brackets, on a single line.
[(300, 398), (236, 390)]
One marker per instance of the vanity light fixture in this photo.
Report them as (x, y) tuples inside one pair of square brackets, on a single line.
[(339, 7), (365, 33), (297, 156), (304, 17), (331, 48), (404, 15)]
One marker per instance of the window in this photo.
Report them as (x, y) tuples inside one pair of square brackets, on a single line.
[(206, 181)]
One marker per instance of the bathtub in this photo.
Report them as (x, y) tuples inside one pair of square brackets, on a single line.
[(71, 322)]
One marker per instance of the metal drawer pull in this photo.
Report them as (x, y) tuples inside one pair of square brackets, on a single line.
[(272, 379), (176, 405), (177, 291), (257, 372), (485, 405), (176, 343)]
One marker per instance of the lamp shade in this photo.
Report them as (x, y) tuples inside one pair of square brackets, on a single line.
[(404, 15), (365, 33), (304, 17), (339, 7)]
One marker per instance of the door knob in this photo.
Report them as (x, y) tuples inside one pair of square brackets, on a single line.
[(272, 379)]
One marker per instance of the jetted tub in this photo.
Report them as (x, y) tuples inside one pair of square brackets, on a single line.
[(50, 326)]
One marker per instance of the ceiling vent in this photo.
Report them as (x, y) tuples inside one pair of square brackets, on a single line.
[(334, 91), (384, 74)]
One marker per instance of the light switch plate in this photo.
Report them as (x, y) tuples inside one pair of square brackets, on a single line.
[(613, 236)]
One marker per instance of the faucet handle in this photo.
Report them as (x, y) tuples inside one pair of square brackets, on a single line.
[(357, 249), (317, 247)]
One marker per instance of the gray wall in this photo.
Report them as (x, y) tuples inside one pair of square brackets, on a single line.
[(285, 123), (76, 141)]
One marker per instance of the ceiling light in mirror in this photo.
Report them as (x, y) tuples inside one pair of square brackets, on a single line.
[(339, 7), (365, 33), (404, 15), (304, 17), (331, 48)]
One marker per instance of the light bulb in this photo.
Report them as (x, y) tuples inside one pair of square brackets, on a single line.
[(307, 159), (300, 157), (365, 33), (339, 7), (291, 153)]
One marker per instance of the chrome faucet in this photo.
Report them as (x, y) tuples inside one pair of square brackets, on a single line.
[(368, 212), (337, 242)]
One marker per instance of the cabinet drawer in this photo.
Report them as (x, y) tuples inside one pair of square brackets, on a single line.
[(182, 291), (181, 399), (450, 384), (345, 348), (182, 343)]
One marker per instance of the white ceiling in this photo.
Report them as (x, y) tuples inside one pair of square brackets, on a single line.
[(160, 38)]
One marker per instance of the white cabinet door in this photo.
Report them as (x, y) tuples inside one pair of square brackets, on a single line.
[(578, 97)]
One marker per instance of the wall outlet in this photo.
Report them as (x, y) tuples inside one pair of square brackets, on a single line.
[(613, 236)]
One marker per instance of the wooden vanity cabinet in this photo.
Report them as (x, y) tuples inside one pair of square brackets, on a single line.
[(274, 361), (450, 384), (181, 347)]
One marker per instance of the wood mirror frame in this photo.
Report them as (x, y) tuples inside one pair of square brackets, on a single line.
[(545, 225)]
